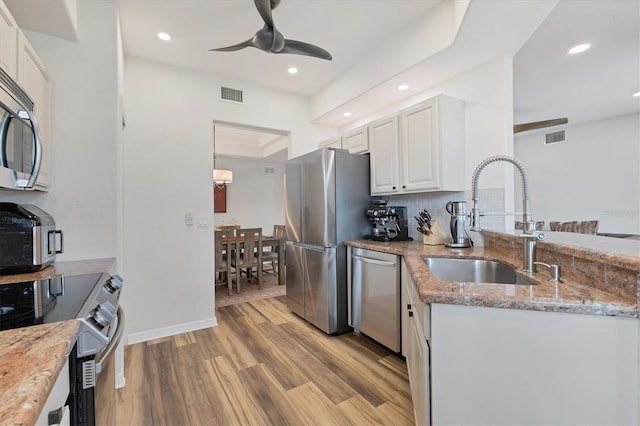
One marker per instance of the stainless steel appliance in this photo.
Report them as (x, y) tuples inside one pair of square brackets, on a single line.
[(93, 299), (29, 240), (388, 223), (20, 148), (459, 235), (326, 192), (375, 296)]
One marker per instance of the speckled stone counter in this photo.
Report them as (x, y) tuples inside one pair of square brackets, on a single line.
[(31, 357), (30, 360), (583, 290)]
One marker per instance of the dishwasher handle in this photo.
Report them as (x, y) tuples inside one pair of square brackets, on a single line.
[(374, 261)]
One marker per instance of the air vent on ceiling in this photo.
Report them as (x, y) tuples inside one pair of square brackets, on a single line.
[(231, 95), (554, 137)]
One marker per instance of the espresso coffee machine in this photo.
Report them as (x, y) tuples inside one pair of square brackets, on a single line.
[(388, 223)]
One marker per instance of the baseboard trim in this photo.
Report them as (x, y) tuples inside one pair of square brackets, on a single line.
[(159, 333), (120, 381)]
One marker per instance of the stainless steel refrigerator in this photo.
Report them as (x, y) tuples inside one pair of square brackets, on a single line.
[(327, 192)]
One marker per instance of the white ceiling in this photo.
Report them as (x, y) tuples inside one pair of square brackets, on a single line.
[(373, 34), (348, 29), (549, 83)]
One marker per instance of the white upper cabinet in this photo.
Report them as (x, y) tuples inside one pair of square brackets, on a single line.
[(335, 142), (8, 41), (430, 153), (34, 80), (356, 141), (383, 144)]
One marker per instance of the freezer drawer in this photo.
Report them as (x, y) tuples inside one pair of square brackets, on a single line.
[(313, 288), (375, 290)]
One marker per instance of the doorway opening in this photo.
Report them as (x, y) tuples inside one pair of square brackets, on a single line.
[(256, 158)]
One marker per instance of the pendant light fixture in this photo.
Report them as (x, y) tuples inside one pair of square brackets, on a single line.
[(221, 177)]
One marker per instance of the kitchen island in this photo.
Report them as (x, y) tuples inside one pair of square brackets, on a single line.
[(32, 358), (541, 353)]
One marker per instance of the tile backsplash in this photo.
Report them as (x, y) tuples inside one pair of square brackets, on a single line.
[(490, 200)]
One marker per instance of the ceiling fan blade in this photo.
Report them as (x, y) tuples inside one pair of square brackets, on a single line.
[(264, 9), (517, 128), (302, 48), (247, 43)]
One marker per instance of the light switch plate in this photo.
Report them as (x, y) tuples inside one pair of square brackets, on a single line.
[(203, 221)]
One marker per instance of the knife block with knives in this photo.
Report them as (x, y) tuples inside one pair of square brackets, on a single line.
[(432, 232), (435, 236)]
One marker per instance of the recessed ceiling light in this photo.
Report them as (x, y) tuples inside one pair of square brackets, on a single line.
[(579, 48), (164, 36), (292, 70), (403, 87), (346, 114), (637, 94)]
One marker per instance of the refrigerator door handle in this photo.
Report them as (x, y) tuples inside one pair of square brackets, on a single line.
[(308, 246)]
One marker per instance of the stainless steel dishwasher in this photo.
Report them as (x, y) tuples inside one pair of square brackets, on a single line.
[(374, 290)]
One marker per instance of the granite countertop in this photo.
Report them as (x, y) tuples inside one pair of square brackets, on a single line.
[(31, 357), (570, 296)]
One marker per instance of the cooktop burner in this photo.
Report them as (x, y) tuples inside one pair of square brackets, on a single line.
[(58, 298)]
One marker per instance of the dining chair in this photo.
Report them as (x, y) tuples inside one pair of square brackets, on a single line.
[(271, 255), (539, 225), (248, 254), (584, 227), (227, 227), (222, 257)]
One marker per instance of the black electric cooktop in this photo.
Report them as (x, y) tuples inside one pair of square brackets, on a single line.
[(59, 298)]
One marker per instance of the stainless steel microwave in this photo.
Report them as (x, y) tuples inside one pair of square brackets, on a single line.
[(20, 148)]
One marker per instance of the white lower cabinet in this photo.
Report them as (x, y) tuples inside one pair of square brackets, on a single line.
[(57, 400), (415, 348), (472, 365)]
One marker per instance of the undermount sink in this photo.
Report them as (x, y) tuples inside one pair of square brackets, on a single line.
[(474, 270)]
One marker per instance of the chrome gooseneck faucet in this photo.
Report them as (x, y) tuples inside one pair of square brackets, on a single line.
[(530, 236)]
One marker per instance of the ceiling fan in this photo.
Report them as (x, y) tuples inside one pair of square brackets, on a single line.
[(271, 40), (534, 125)]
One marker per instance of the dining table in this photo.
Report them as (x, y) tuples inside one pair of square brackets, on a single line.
[(277, 243)]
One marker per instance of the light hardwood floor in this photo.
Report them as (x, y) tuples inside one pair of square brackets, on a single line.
[(263, 365)]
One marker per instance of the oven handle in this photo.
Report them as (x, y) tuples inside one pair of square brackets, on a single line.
[(104, 355)]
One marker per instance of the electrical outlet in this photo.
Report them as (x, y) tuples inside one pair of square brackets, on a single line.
[(188, 219)]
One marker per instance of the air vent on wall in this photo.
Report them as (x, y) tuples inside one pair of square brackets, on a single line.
[(269, 170), (231, 95), (554, 137)]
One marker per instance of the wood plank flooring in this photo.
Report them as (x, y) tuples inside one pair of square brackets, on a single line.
[(263, 365)]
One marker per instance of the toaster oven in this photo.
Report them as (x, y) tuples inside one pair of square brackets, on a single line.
[(28, 238)]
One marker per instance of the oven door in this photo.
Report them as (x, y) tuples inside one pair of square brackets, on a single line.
[(105, 389), (93, 390)]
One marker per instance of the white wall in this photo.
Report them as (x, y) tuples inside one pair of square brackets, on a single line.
[(167, 170), (255, 199), (593, 174), (84, 171)]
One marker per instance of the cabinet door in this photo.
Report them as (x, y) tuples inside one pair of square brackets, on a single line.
[(420, 147), (418, 367), (383, 144), (8, 41), (331, 143), (356, 141), (34, 80)]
